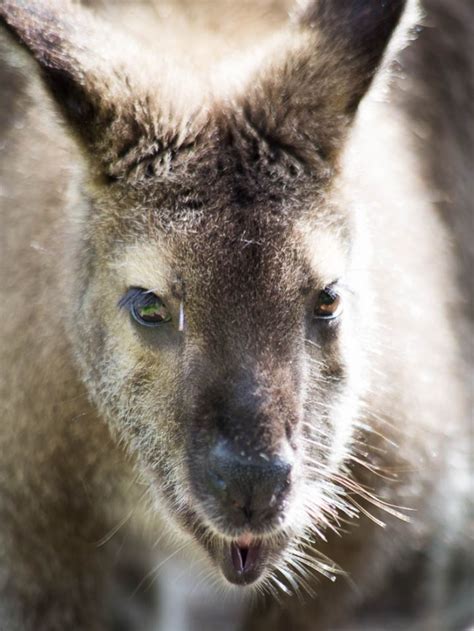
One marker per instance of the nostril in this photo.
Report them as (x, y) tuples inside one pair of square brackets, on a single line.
[(253, 488), (281, 476)]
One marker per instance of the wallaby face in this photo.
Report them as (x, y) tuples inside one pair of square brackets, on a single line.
[(213, 310), (215, 330)]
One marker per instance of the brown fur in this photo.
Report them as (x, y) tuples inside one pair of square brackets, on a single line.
[(240, 193)]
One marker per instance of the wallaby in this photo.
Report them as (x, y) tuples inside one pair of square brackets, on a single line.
[(232, 316)]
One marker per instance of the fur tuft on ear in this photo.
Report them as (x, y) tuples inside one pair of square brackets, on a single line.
[(108, 91), (54, 32), (356, 32), (308, 92)]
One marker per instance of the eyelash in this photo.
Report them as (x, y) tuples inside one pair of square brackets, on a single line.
[(127, 301)]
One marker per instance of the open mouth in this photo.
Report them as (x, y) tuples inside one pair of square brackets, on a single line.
[(243, 560)]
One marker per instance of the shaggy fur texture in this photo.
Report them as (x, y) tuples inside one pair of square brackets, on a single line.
[(237, 173)]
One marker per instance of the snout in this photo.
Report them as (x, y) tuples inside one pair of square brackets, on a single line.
[(244, 466), (250, 491)]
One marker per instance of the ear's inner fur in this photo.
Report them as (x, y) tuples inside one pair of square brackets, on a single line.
[(319, 70), (51, 37), (359, 28), (115, 107)]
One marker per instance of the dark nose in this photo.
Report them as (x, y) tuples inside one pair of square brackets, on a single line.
[(250, 490)]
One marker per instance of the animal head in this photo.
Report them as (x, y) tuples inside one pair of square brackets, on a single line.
[(212, 312)]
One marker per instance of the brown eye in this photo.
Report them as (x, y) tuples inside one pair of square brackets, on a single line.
[(328, 305), (145, 307)]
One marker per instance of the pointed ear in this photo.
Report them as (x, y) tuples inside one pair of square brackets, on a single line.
[(353, 34), (324, 66), (51, 31), (86, 71)]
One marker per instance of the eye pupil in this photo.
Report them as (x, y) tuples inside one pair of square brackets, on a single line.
[(326, 298), (328, 304), (155, 312)]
